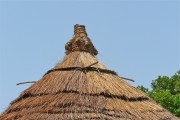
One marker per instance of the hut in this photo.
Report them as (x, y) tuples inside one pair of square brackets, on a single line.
[(80, 87)]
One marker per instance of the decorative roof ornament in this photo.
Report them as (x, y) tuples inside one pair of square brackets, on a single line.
[(80, 41)]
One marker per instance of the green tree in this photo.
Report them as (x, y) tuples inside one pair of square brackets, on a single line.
[(142, 88), (166, 91)]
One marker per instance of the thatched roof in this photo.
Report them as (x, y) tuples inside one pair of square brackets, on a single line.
[(80, 87)]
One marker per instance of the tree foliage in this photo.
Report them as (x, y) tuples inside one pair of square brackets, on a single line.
[(166, 91)]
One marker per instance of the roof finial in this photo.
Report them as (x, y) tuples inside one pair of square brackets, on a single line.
[(78, 29), (80, 41)]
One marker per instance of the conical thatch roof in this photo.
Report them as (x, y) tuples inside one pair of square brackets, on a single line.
[(80, 87)]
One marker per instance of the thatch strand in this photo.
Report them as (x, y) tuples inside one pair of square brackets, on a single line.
[(127, 79), (26, 82)]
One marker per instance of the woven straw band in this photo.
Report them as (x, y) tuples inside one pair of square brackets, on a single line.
[(83, 69)]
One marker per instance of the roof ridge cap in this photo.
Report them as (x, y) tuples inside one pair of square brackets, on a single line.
[(80, 41)]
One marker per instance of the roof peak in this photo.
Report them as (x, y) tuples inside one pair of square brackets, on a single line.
[(80, 41), (78, 29)]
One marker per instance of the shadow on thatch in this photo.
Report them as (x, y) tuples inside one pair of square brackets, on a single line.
[(80, 87)]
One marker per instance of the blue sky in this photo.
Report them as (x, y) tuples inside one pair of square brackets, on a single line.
[(139, 39)]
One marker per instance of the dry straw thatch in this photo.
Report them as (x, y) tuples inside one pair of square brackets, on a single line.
[(80, 87)]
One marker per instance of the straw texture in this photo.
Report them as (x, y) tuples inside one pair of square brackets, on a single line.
[(83, 95)]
